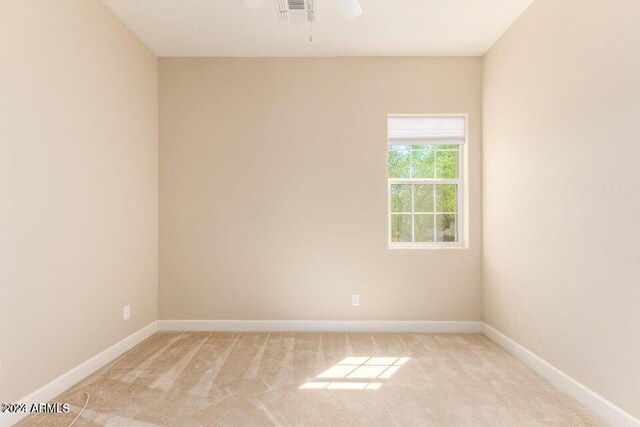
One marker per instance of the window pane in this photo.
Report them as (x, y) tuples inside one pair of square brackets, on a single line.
[(423, 161), (446, 198), (447, 164), (446, 229), (400, 198), (399, 161), (423, 198), (424, 228), (424, 212), (400, 228)]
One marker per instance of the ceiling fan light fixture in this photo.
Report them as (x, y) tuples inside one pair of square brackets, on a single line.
[(350, 8)]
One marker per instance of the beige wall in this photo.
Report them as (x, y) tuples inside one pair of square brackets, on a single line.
[(273, 201), (78, 187), (561, 190)]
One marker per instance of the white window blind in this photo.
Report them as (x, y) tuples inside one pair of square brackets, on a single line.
[(408, 130)]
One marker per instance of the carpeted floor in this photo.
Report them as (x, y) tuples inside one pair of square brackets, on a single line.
[(314, 379)]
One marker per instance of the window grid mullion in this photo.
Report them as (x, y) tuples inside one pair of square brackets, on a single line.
[(411, 173), (435, 209), (413, 216)]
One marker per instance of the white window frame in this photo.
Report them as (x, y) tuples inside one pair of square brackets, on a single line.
[(460, 182)]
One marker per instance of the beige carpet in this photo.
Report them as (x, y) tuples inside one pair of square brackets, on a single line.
[(314, 379)]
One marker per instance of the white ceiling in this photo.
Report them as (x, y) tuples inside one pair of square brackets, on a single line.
[(386, 28)]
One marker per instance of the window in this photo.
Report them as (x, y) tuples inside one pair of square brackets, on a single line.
[(425, 167)]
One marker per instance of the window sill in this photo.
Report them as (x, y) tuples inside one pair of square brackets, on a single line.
[(412, 247)]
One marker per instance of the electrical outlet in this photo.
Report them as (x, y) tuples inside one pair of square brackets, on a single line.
[(355, 300), (126, 312)]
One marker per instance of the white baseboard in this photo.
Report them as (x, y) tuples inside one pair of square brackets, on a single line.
[(83, 370), (461, 327), (606, 410)]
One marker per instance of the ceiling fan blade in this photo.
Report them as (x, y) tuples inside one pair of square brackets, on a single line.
[(254, 4), (350, 8)]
